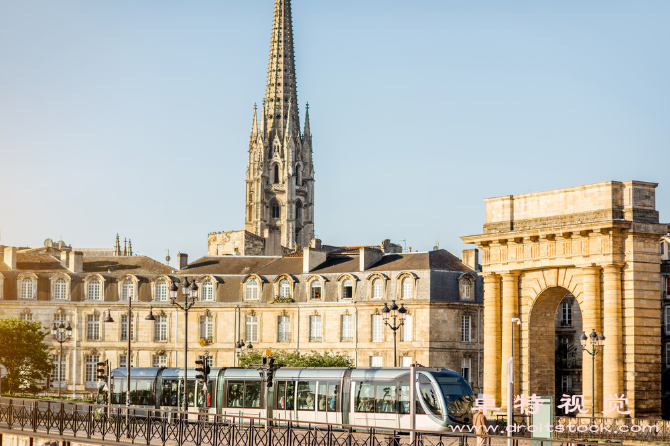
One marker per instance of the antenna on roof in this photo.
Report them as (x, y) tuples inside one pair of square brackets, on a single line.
[(167, 257), (404, 244)]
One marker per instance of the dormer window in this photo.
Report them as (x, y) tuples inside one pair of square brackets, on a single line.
[(348, 289), (466, 285), (316, 290), (60, 289)]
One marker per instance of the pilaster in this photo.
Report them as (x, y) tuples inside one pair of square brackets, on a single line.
[(613, 330), (492, 336), (591, 320), (509, 331)]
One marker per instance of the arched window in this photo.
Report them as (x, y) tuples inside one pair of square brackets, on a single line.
[(276, 174), (284, 288), (127, 290), (377, 289), (161, 290), (465, 289), (207, 290), (274, 210), (347, 289), (315, 290), (60, 289), (27, 289), (406, 288), (298, 211), (94, 289), (252, 289)]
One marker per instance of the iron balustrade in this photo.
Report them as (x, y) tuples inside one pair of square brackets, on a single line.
[(100, 422)]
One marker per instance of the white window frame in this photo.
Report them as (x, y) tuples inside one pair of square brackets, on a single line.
[(466, 369), (667, 320), (566, 314), (407, 328), (252, 288), (27, 288), (284, 288), (405, 361), (377, 288), (313, 286), (348, 283), (377, 328), (466, 328), (347, 328), (62, 365), (27, 317), (209, 359), (207, 291), (124, 328), (90, 370), (93, 327), (407, 288), (207, 327), (251, 328), (283, 328), (315, 327), (60, 289), (376, 361), (161, 291), (159, 360), (161, 328), (92, 286), (127, 290), (124, 358)]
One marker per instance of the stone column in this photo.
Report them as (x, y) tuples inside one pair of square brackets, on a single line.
[(591, 320), (492, 336), (510, 309), (613, 331)]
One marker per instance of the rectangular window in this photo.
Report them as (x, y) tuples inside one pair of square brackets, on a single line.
[(124, 358), (377, 328), (207, 328), (667, 320), (27, 317), (347, 329), (306, 395), (251, 328), (347, 289), (60, 319), (209, 359), (465, 329), (92, 327), (59, 367), (376, 361), (160, 329), (284, 329), (406, 331), (566, 314), (405, 361), (315, 328), (27, 289), (90, 370), (159, 361), (667, 287), (566, 384), (466, 367), (667, 355), (124, 328)]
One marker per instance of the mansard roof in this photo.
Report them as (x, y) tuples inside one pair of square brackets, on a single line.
[(336, 263)]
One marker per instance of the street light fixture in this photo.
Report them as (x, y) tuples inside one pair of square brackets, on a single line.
[(239, 345), (597, 345), (190, 292), (60, 333), (397, 314)]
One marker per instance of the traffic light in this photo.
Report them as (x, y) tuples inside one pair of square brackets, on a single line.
[(204, 370), (102, 371), (270, 371)]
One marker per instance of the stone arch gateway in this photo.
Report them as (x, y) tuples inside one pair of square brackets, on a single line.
[(600, 243)]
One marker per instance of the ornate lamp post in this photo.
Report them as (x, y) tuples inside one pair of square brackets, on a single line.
[(190, 293), (597, 345), (239, 345), (60, 333), (395, 313)]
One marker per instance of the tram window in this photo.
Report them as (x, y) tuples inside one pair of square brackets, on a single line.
[(333, 392), (403, 399), (306, 393), (281, 395), (235, 393), (252, 395), (211, 394), (290, 395), (170, 392), (365, 399), (190, 390), (142, 393), (385, 398), (118, 391), (323, 390), (429, 394)]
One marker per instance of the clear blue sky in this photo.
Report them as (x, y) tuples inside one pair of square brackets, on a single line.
[(134, 116)]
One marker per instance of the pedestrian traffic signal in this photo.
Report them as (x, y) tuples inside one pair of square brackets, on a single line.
[(204, 370), (102, 371)]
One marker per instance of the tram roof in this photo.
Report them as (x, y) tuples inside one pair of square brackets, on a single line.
[(151, 372)]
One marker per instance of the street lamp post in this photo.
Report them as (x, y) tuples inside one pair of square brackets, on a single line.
[(396, 313), (239, 345), (597, 345), (190, 292), (60, 333), (129, 332)]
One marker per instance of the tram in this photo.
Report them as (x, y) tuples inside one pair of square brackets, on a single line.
[(368, 397)]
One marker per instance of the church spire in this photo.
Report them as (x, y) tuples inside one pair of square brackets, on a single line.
[(254, 126), (281, 84), (117, 246), (307, 135)]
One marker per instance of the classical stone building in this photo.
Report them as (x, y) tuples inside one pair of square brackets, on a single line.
[(665, 302), (598, 242), (333, 300), (280, 171)]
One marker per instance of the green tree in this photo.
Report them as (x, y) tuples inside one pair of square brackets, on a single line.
[(23, 353), (297, 359)]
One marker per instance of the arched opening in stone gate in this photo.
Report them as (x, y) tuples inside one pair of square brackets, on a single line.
[(555, 325)]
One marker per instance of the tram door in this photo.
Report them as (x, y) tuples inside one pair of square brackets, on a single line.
[(327, 407), (284, 403), (385, 405), (306, 401), (363, 399)]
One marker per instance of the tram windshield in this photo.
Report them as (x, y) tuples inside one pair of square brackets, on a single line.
[(457, 394)]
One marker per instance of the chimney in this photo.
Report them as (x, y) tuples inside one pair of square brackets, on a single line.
[(76, 262), (471, 258), (182, 260), (311, 258), (10, 257), (315, 243), (64, 258), (368, 257)]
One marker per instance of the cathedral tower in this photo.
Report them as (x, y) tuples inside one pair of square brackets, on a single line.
[(280, 172)]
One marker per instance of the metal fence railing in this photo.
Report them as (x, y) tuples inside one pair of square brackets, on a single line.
[(90, 421)]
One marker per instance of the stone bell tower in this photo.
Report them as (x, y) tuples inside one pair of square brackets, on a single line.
[(280, 171)]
